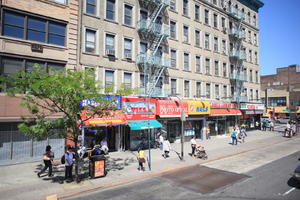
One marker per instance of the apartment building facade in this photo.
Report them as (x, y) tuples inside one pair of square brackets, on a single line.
[(208, 49), (40, 32)]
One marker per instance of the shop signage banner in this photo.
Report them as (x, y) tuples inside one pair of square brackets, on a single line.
[(198, 107), (224, 105), (99, 168), (170, 108), (90, 103), (249, 106), (139, 108), (114, 118)]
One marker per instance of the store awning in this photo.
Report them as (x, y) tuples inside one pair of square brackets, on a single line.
[(225, 112), (113, 118), (143, 124), (105, 122)]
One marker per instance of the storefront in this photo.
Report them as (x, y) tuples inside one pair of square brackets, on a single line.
[(142, 123), (251, 114), (195, 122), (168, 114), (106, 128), (222, 118)]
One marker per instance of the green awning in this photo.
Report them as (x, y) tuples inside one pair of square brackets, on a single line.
[(144, 124)]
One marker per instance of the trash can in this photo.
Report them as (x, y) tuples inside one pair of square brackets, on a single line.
[(97, 166)]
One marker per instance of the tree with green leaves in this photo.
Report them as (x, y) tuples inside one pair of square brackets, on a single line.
[(59, 93)]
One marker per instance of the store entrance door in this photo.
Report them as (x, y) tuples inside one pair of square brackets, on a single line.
[(198, 129)]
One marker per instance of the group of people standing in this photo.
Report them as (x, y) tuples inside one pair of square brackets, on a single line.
[(67, 160), (238, 134)]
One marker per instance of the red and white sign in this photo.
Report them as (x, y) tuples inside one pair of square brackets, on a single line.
[(224, 105), (112, 118), (139, 108), (249, 106), (170, 108)]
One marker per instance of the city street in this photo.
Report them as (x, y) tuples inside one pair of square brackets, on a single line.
[(259, 174)]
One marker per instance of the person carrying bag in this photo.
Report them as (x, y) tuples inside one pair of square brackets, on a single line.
[(47, 158), (141, 159)]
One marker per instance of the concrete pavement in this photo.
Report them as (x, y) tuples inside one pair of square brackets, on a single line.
[(21, 182)]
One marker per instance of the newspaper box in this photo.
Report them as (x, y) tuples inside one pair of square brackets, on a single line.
[(97, 166)]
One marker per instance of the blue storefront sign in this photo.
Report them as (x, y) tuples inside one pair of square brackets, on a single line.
[(114, 102)]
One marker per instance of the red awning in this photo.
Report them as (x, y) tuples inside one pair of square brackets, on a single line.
[(115, 118), (225, 112)]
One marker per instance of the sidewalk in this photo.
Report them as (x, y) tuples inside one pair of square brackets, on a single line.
[(21, 182)]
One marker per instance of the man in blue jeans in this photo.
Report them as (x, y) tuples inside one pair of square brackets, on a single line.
[(69, 161), (233, 136)]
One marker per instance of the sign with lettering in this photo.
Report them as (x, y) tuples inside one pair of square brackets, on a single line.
[(224, 105), (198, 107), (249, 106), (139, 108), (170, 108), (113, 101)]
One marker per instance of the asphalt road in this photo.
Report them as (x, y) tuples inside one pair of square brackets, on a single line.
[(267, 176)]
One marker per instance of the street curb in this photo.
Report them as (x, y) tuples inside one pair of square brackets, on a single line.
[(154, 174)]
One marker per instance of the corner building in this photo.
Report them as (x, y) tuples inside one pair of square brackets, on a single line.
[(200, 50), (33, 31)]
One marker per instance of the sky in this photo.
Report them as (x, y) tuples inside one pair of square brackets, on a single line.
[(279, 23)]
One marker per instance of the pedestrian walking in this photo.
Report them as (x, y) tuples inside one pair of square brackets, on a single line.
[(233, 136), (47, 158), (257, 125), (69, 161), (207, 132), (141, 159), (264, 125), (161, 141), (166, 148), (271, 126), (242, 134), (193, 145)]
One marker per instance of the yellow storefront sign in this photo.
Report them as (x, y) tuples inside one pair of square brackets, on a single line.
[(198, 107)]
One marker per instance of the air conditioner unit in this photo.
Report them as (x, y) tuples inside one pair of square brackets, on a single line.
[(110, 52), (128, 56)]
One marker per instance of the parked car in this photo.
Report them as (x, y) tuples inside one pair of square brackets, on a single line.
[(283, 120)]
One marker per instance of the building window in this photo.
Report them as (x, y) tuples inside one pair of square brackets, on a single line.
[(250, 55), (173, 58), (244, 34), (225, 91), (206, 41), (224, 47), (143, 15), (249, 37), (206, 15), (250, 76), (197, 12), (198, 89), (255, 58), (109, 80), (256, 76), (91, 71), (142, 81), (143, 47), (256, 95), (251, 94), (245, 92), (254, 20), (224, 69), (217, 68), (197, 38), (255, 39), (215, 2), (173, 29), (186, 89), (185, 34), (249, 18), (110, 9), (216, 45), (173, 86), (128, 15), (127, 48), (215, 20), (198, 64), (37, 29), (245, 73), (186, 61), (173, 5), (186, 7), (91, 7), (217, 92), (223, 22), (90, 41), (127, 80), (207, 91), (207, 66), (109, 43)]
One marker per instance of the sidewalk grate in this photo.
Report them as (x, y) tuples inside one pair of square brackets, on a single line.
[(203, 179)]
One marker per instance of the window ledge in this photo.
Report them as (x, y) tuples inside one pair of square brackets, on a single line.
[(89, 53), (173, 39), (198, 46), (186, 43), (198, 21), (112, 21), (186, 16), (186, 70), (174, 11), (91, 15), (128, 60), (29, 42), (128, 26), (55, 3)]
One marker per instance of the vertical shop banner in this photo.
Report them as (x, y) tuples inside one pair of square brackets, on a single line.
[(198, 107), (170, 108), (139, 108)]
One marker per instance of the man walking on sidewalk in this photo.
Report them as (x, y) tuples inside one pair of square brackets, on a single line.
[(69, 156), (233, 136)]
